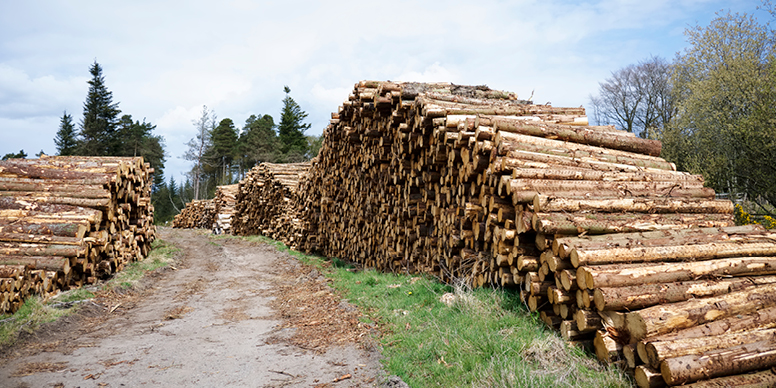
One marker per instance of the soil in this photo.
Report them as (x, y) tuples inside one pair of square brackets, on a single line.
[(228, 313)]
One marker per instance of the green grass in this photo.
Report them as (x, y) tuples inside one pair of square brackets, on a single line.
[(484, 338), (36, 311), (29, 317), (162, 254)]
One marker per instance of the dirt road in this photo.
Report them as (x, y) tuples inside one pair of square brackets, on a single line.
[(223, 317)]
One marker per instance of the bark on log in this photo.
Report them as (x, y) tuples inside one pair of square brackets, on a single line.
[(622, 275), (766, 378), (663, 319), (650, 294), (547, 203), (722, 362), (48, 263), (657, 351), (604, 223), (581, 135), (713, 250)]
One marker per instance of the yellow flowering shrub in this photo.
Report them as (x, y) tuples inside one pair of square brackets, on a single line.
[(744, 218)]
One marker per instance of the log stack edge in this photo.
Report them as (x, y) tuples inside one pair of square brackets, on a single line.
[(68, 221)]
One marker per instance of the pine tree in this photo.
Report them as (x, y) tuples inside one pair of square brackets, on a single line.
[(291, 129), (66, 139), (258, 142), (223, 151), (133, 138), (98, 125)]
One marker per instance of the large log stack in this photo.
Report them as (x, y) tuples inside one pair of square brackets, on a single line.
[(225, 201), (610, 244), (267, 202), (199, 213), (67, 221)]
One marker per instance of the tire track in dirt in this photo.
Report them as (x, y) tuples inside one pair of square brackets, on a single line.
[(208, 323)]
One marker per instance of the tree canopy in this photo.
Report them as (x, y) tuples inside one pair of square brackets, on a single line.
[(637, 98), (726, 99), (713, 107)]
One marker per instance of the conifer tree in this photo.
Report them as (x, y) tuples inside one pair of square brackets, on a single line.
[(66, 139), (291, 129), (98, 125)]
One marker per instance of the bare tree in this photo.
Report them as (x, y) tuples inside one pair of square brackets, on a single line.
[(199, 145), (636, 98)]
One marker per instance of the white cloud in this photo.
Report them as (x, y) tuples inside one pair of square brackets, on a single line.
[(432, 73), (164, 60)]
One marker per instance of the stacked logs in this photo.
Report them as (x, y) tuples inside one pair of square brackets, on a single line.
[(680, 305), (225, 201), (67, 221), (199, 213), (266, 202), (471, 184)]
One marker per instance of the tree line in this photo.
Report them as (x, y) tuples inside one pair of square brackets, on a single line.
[(220, 153), (713, 106)]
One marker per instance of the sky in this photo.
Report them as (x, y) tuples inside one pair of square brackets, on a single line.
[(164, 60)]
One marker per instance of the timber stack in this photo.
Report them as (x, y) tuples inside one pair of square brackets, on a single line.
[(199, 213), (267, 202), (67, 221), (607, 241), (225, 201)]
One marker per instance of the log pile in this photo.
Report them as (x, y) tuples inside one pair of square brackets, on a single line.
[(199, 213), (607, 241), (266, 202), (225, 201), (67, 221)]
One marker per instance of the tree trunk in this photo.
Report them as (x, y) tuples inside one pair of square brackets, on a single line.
[(766, 378), (722, 362), (507, 142), (605, 223), (658, 351), (546, 204), (582, 135), (758, 320), (650, 294), (696, 252), (564, 245), (665, 318), (622, 275)]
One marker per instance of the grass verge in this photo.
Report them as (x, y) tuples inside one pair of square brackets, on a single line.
[(38, 310), (476, 338)]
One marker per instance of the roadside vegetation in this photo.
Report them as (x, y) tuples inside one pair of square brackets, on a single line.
[(437, 335), (39, 310)]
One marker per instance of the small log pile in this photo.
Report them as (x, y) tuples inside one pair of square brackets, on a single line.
[(602, 236), (67, 221), (225, 201), (266, 202), (199, 213)]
